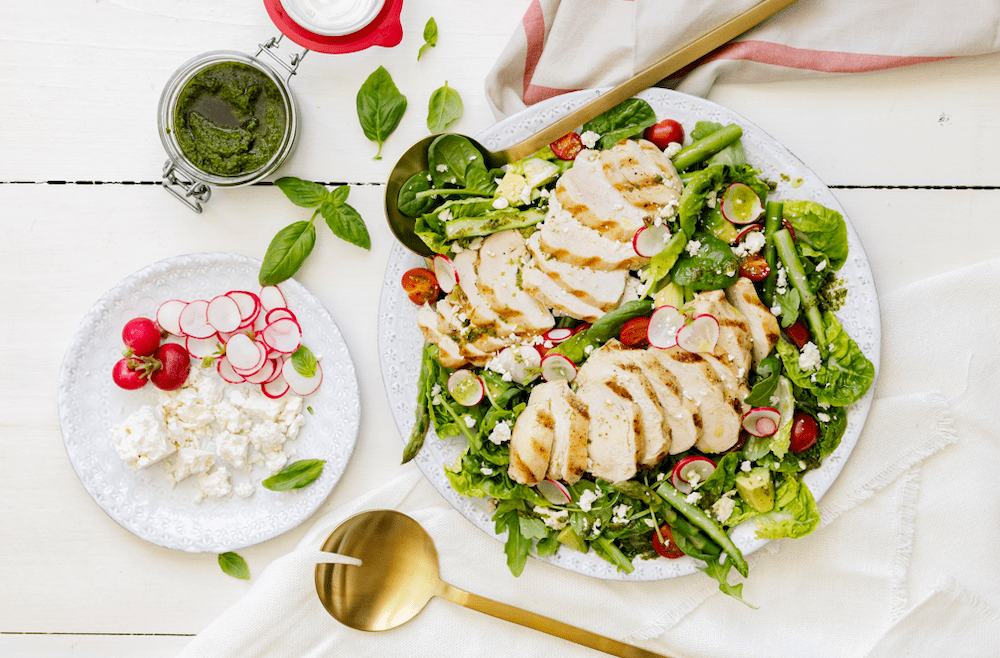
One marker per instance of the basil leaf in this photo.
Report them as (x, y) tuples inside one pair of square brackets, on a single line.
[(234, 565), (430, 36), (409, 203), (304, 361), (295, 476), (450, 157), (624, 120), (338, 195), (380, 107), (302, 192), (286, 253), (346, 223), (444, 108)]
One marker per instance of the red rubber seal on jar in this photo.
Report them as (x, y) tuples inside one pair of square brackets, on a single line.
[(385, 30)]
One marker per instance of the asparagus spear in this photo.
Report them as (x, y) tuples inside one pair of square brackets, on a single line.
[(790, 259), (772, 222)]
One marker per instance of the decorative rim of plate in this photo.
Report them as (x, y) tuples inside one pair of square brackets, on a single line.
[(396, 339), (143, 502)]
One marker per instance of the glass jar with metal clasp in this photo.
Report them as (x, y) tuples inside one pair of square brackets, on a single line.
[(230, 119)]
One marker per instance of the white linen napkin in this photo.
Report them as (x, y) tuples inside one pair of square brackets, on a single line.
[(608, 42)]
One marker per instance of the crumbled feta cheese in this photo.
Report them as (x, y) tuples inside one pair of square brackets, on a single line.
[(752, 243), (650, 522), (445, 215), (620, 514), (823, 405), (500, 433), (244, 489), (822, 417), (589, 138), (215, 484), (693, 498), (140, 441), (442, 168), (692, 247), (555, 519), (746, 466), (469, 421), (821, 266), (723, 507), (776, 309), (486, 470), (587, 499), (809, 358), (190, 461), (436, 389), (500, 203)]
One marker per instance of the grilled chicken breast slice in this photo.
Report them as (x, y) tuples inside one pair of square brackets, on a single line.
[(479, 310), (500, 259), (568, 460), (564, 238), (531, 439), (645, 177), (598, 288), (544, 289), (611, 434), (448, 350), (735, 346), (586, 192), (763, 325)]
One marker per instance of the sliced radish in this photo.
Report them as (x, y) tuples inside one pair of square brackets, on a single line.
[(446, 273), (275, 388), (558, 366), (740, 204), (259, 322), (249, 304), (521, 363), (276, 371), (702, 335), (264, 374), (225, 370), (762, 421), (557, 335), (244, 353), (283, 335), (200, 348), (168, 316), (554, 492), (224, 314), (747, 230), (466, 387), (193, 320), (650, 240), (664, 324), (278, 313), (299, 384), (271, 297), (689, 471)]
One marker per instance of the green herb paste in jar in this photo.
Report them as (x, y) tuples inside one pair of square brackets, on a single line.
[(230, 119)]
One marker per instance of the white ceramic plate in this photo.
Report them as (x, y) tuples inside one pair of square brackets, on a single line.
[(400, 340), (143, 502)]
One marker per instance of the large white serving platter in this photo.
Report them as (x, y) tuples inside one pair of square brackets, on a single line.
[(144, 502), (400, 340)]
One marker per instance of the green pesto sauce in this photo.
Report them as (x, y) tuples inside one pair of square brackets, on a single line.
[(230, 119)]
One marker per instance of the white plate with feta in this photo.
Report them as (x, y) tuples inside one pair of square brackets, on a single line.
[(401, 341), (190, 515)]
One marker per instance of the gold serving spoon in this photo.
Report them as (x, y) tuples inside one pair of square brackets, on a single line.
[(398, 575), (414, 160)]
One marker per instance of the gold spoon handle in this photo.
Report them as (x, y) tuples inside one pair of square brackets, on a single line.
[(543, 624), (649, 77)]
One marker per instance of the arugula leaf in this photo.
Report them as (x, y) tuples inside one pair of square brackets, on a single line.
[(302, 192), (430, 36), (380, 107), (286, 253), (296, 475), (769, 370), (234, 565), (346, 223), (304, 361), (444, 108), (627, 119), (720, 572)]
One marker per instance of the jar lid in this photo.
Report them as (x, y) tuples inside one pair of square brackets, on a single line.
[(338, 26)]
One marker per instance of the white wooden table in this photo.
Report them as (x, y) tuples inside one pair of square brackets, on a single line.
[(910, 153)]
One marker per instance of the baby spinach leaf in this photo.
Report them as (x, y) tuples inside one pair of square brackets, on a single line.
[(430, 36), (450, 157), (408, 202), (712, 266), (234, 565), (380, 107), (296, 475), (286, 253), (346, 223), (304, 361), (769, 371), (627, 119), (444, 108), (302, 192)]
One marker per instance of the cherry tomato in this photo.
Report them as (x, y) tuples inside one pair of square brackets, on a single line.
[(805, 431), (664, 133), (126, 376), (175, 364), (583, 326), (788, 226), (567, 147), (541, 349), (755, 267), (421, 285), (633, 333), (668, 547), (798, 332), (141, 335)]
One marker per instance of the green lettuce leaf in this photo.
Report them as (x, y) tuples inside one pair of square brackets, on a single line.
[(795, 513), (844, 373), (731, 155), (821, 228)]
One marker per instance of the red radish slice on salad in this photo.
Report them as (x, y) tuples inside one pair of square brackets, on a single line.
[(558, 366), (557, 335), (702, 335), (740, 204), (689, 471), (762, 421), (271, 297), (466, 387), (299, 383), (278, 313), (520, 363), (664, 324), (201, 348), (275, 388), (446, 273), (168, 316), (244, 354), (249, 304), (193, 320), (554, 492), (283, 335), (264, 374), (650, 240), (224, 313), (276, 372), (747, 230), (225, 370)]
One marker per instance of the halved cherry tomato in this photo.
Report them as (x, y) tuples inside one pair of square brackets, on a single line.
[(786, 224), (805, 432), (633, 333), (668, 547), (583, 326), (798, 332), (754, 267), (421, 285), (567, 147), (665, 133)]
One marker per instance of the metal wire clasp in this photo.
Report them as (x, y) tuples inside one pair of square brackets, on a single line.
[(291, 65), (193, 193)]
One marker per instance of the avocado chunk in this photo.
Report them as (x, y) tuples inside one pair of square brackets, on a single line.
[(570, 537), (756, 488)]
